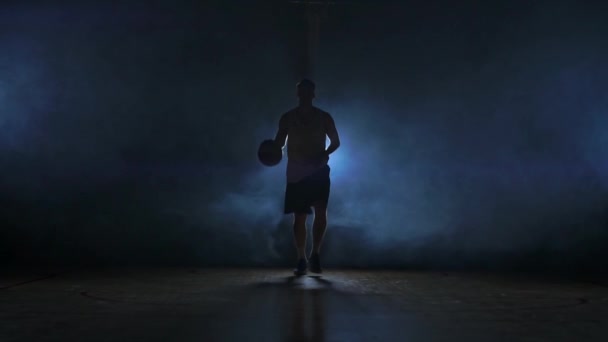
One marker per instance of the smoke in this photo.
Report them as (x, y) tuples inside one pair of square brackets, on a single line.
[(129, 135), (501, 163)]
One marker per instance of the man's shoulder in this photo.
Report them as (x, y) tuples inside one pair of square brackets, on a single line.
[(289, 114), (325, 115)]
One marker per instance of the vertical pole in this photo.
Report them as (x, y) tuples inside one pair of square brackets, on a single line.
[(313, 13)]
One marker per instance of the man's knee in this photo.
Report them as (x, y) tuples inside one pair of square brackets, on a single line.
[(320, 211), (299, 219)]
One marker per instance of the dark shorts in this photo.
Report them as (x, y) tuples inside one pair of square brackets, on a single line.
[(300, 196)]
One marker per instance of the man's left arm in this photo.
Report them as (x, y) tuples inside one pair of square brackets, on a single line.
[(332, 133)]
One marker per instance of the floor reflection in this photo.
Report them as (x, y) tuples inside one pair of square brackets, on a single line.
[(308, 315), (304, 313)]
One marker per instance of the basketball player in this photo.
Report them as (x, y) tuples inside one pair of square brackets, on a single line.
[(306, 128)]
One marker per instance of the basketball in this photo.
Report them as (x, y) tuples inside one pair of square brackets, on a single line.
[(269, 153)]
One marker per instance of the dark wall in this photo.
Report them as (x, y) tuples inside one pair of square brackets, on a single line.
[(472, 135)]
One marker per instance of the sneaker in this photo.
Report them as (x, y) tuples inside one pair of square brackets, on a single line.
[(301, 267), (315, 263)]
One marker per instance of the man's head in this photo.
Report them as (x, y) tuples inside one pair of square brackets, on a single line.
[(306, 90)]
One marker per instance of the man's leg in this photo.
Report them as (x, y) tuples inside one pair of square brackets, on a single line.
[(319, 226), (299, 234), (318, 232)]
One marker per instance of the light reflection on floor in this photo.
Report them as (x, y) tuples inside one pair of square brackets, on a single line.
[(272, 305)]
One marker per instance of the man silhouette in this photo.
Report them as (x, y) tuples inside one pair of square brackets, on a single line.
[(306, 129)]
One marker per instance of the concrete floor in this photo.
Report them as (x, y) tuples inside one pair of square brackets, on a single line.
[(271, 305)]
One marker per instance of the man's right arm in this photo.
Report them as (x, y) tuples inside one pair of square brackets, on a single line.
[(281, 136)]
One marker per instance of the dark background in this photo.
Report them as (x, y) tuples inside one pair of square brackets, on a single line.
[(473, 133)]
